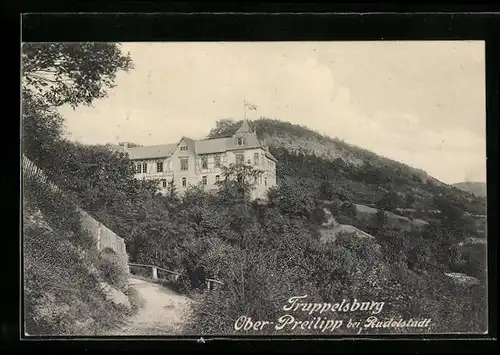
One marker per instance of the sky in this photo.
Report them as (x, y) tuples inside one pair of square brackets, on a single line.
[(421, 103)]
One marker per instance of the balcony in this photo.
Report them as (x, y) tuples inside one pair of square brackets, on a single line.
[(155, 175)]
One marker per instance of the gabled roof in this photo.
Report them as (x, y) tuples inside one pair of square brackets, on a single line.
[(270, 156), (245, 127), (205, 146), (189, 142), (209, 146), (152, 151), (219, 145)]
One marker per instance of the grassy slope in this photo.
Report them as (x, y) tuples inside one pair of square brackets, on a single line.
[(62, 294)]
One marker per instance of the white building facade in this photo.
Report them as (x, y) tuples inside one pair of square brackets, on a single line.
[(199, 162)]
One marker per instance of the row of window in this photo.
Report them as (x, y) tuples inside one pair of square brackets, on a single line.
[(240, 159), (159, 166), (204, 181), (204, 162), (144, 167)]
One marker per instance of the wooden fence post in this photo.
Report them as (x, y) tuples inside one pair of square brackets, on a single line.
[(155, 272)]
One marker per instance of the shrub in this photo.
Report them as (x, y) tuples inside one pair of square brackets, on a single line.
[(348, 209), (114, 270), (62, 294), (61, 289)]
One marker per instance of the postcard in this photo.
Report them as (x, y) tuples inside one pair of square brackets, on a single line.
[(222, 189)]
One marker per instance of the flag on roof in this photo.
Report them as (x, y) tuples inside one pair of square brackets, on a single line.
[(250, 106)]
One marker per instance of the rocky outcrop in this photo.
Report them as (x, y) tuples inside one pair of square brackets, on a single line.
[(463, 279), (330, 229), (115, 296), (395, 221)]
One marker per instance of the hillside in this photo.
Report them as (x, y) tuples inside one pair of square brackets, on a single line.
[(69, 287), (355, 173), (476, 188)]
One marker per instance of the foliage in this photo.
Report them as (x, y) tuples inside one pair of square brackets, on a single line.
[(365, 183), (61, 285), (113, 270), (223, 128), (348, 209), (296, 199), (263, 253), (70, 73), (380, 220), (62, 293)]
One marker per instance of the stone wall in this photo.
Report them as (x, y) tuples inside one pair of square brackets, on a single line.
[(103, 236)]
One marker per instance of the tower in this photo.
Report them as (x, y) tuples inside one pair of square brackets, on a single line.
[(241, 135)]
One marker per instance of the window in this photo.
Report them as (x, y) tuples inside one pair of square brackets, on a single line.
[(204, 162), (144, 167), (240, 141), (240, 158), (217, 161), (184, 182), (204, 180), (164, 183), (184, 164), (138, 167), (265, 181), (184, 147), (260, 179), (256, 159), (159, 167), (217, 178)]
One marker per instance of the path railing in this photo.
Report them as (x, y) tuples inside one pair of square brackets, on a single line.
[(212, 284)]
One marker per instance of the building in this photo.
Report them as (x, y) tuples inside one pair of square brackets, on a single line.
[(193, 162)]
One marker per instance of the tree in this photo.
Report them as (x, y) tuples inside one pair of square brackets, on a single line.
[(326, 190), (55, 74), (71, 73), (450, 213), (389, 202), (238, 181), (348, 209), (224, 128), (41, 128), (293, 199), (381, 220), (410, 200)]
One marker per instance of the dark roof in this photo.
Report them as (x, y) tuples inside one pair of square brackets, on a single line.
[(245, 127), (151, 152), (205, 146), (219, 145)]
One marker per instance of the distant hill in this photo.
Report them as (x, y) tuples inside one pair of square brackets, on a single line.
[(477, 188), (356, 174)]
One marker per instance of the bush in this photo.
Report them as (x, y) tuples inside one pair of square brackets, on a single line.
[(61, 288), (114, 270), (348, 209), (62, 294)]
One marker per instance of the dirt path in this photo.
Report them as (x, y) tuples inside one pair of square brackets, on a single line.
[(161, 311)]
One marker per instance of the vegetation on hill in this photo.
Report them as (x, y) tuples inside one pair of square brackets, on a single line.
[(267, 253), (476, 188), (63, 270), (63, 273), (352, 172)]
